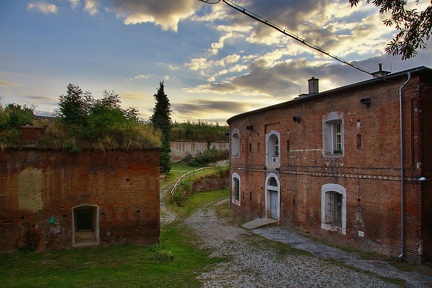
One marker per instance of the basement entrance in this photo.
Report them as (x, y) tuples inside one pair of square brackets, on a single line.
[(85, 225)]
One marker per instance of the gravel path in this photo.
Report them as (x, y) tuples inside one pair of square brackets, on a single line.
[(166, 217), (256, 263)]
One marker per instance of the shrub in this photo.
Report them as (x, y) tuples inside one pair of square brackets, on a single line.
[(209, 156), (12, 117)]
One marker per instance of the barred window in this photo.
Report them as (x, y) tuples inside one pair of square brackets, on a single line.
[(333, 213)]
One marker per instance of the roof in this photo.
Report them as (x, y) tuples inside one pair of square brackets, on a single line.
[(417, 70)]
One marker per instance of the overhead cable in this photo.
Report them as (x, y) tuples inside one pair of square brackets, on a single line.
[(283, 31)]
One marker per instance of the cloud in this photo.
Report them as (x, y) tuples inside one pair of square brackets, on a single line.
[(139, 77), (210, 107), (42, 7), (8, 84), (74, 4), (165, 13), (91, 6)]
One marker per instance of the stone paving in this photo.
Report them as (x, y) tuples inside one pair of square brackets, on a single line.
[(255, 263)]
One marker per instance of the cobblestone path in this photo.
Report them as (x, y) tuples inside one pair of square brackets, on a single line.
[(258, 262)]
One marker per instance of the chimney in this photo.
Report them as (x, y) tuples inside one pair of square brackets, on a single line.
[(380, 72), (313, 86)]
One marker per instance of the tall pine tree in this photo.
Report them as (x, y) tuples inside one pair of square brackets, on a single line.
[(161, 121)]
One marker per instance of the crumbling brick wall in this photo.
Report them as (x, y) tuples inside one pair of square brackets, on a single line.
[(40, 188)]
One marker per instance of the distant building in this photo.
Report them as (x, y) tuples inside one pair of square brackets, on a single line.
[(339, 164), (53, 199)]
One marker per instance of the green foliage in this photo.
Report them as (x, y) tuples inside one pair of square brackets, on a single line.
[(184, 190), (74, 107), (15, 116), (175, 262), (199, 131), (209, 156), (161, 121), (198, 200), (85, 122), (12, 117), (414, 26)]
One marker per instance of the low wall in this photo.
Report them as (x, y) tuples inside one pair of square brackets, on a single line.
[(181, 149)]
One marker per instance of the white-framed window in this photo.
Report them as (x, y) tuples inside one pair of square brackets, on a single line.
[(273, 149), (333, 208), (333, 134), (236, 186), (235, 143)]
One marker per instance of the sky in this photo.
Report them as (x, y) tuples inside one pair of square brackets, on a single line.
[(215, 62)]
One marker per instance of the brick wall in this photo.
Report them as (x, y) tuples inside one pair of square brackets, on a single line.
[(368, 168), (41, 191)]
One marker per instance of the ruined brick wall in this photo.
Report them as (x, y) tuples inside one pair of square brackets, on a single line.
[(39, 190), (368, 169)]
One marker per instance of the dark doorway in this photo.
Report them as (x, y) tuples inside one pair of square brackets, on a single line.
[(85, 225)]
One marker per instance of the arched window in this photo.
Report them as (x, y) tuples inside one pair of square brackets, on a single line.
[(272, 150), (235, 143), (236, 188), (333, 208)]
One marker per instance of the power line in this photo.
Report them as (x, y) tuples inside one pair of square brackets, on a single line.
[(283, 31)]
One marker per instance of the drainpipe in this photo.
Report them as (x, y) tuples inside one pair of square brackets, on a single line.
[(402, 182)]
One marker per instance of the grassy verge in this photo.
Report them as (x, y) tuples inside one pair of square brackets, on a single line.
[(197, 200), (175, 262)]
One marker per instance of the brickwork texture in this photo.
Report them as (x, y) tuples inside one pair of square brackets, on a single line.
[(41, 192), (369, 168)]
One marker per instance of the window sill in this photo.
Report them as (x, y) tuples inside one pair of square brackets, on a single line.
[(335, 228)]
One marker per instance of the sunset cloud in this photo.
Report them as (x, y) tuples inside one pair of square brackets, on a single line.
[(42, 7), (165, 13)]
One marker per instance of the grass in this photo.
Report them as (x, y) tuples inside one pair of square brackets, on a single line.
[(197, 200), (174, 262)]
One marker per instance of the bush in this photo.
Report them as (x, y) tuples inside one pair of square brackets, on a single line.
[(12, 117), (199, 131), (100, 124), (209, 156)]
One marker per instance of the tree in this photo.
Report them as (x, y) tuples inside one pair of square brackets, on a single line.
[(12, 117), (161, 121), (414, 26), (85, 122), (74, 107)]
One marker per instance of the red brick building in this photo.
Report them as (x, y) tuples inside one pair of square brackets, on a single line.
[(54, 199), (341, 165)]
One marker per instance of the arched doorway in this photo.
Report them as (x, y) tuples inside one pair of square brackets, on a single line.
[(272, 196), (85, 225)]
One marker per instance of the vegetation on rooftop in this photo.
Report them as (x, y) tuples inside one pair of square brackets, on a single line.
[(12, 117), (81, 122)]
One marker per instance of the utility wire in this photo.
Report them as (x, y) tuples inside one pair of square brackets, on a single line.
[(283, 31)]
